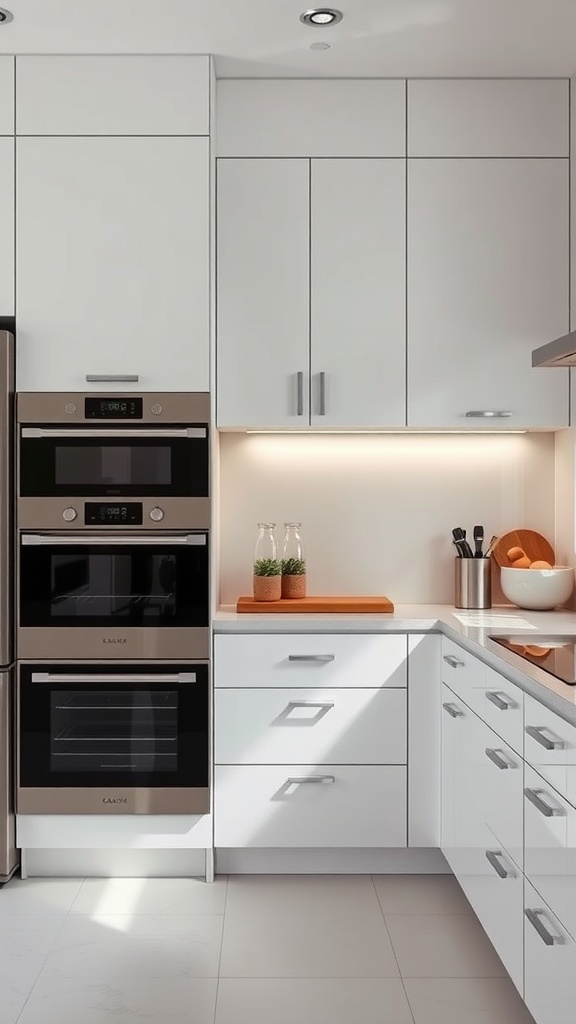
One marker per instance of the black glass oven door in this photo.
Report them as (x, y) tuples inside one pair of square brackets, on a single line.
[(115, 462), (106, 580), (138, 726)]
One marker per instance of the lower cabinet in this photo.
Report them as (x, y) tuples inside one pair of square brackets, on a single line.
[(550, 963), (302, 805)]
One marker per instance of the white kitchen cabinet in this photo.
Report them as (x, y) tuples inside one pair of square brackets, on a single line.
[(550, 963), (550, 747), (299, 661), (488, 117), (6, 95), (550, 847), (501, 796), (282, 726), (6, 227), (504, 709), (311, 293), (464, 674), (303, 805), (115, 94), (487, 283), (113, 262), (311, 118), (461, 814), (358, 289)]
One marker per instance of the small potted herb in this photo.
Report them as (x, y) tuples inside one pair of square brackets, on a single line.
[(294, 578), (267, 580)]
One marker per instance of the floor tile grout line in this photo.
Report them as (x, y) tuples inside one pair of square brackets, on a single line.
[(221, 947), (408, 1003)]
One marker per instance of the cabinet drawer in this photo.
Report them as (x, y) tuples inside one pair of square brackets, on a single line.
[(464, 674), (280, 726), (338, 806), (495, 888), (504, 709), (501, 787), (550, 963), (550, 747), (317, 659), (550, 847)]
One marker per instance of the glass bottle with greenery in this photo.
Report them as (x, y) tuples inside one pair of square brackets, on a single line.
[(293, 563), (267, 577)]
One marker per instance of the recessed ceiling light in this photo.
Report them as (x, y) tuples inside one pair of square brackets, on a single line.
[(320, 17), (5, 15)]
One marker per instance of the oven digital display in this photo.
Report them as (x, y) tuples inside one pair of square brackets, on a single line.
[(113, 408), (97, 513)]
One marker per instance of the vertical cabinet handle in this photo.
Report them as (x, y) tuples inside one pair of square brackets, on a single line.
[(533, 795), (452, 661), (535, 918), (492, 858), (322, 376), (496, 699), (453, 711), (496, 758), (299, 393), (536, 733)]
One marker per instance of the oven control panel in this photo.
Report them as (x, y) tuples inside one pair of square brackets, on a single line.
[(107, 513), (113, 408)]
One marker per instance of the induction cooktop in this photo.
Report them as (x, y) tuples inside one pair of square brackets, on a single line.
[(553, 654)]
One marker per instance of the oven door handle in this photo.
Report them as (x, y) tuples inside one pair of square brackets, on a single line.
[(100, 677), (89, 432), (90, 540)]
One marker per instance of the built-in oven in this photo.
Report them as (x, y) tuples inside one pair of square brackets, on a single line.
[(113, 739), (149, 452), (113, 595)]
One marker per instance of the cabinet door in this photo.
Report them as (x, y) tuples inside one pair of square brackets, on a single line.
[(6, 95), (6, 227), (358, 298), (487, 283), (263, 330), (549, 965), (113, 262), (460, 812)]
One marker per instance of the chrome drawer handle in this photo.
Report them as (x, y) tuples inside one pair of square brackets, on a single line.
[(310, 704), (533, 795), (300, 780), (114, 677), (488, 414), (453, 662), (492, 858), (39, 433), (453, 711), (496, 699), (322, 393), (312, 657), (534, 916), (82, 540), (108, 378), (536, 732), (496, 758), (300, 393)]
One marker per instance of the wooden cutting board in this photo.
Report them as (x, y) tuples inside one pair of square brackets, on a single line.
[(350, 605), (534, 544)]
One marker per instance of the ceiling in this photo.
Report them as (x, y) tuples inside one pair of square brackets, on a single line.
[(405, 38)]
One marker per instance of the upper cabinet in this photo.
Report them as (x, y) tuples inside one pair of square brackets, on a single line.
[(112, 95), (6, 96), (303, 118), (487, 283), (6, 227), (311, 293), (488, 117)]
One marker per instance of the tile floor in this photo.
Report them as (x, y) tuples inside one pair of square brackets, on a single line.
[(272, 949)]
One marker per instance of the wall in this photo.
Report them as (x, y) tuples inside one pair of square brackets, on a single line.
[(377, 510)]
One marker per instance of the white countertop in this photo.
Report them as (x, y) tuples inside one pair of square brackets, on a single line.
[(472, 629)]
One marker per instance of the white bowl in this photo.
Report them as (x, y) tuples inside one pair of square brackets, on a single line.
[(538, 589)]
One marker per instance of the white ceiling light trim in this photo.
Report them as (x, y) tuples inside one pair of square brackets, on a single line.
[(321, 17), (5, 16)]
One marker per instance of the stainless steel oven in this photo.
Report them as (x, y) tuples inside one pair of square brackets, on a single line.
[(149, 453), (113, 595), (113, 739)]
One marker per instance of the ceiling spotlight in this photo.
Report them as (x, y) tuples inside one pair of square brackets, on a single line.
[(320, 17), (5, 15)]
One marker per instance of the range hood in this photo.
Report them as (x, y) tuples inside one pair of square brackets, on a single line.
[(561, 352)]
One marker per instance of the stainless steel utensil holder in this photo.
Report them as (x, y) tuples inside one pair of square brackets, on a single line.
[(472, 582)]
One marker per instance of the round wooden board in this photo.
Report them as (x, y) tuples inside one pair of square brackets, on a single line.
[(534, 544)]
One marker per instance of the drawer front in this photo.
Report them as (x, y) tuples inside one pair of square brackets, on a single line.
[(550, 747), (318, 726), (339, 806), (504, 709), (287, 660), (495, 888), (501, 787), (464, 674), (550, 850), (550, 963)]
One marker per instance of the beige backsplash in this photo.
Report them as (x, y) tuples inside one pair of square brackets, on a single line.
[(377, 510)]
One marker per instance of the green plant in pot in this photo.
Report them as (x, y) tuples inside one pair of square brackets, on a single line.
[(294, 578), (267, 580)]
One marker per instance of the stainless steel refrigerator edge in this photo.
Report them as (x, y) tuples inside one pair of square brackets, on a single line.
[(8, 853)]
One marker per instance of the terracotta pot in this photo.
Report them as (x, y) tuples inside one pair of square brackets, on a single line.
[(267, 588), (294, 587)]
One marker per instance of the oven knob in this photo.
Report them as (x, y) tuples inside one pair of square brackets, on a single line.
[(69, 514), (70, 408), (157, 514), (157, 409)]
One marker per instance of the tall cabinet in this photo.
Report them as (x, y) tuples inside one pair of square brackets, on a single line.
[(6, 186), (113, 222)]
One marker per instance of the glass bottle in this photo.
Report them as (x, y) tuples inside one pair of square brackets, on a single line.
[(267, 578), (293, 563)]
